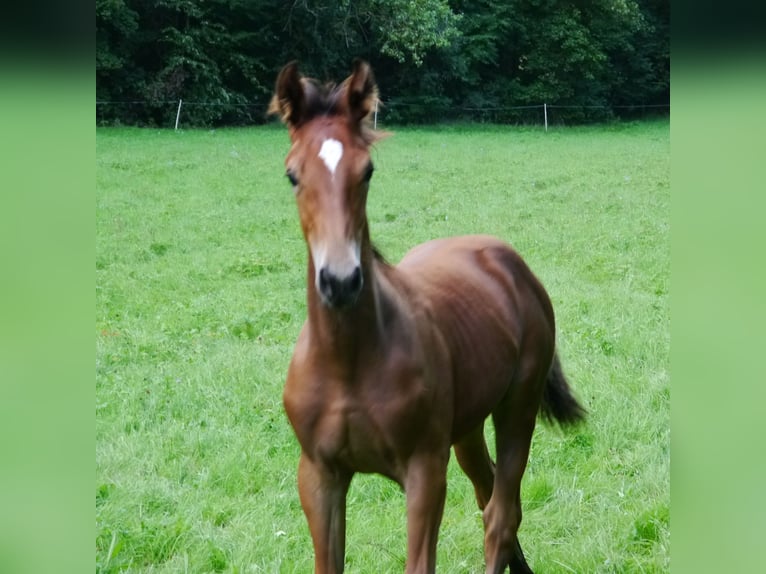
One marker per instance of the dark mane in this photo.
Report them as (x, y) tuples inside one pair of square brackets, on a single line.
[(329, 100), (378, 255), (326, 100), (322, 99)]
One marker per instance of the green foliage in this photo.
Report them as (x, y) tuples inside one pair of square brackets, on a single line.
[(463, 55), (200, 295), (410, 28)]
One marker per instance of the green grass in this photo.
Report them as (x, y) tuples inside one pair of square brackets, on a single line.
[(200, 293)]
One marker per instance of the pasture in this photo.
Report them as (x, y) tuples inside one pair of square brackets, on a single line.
[(200, 294)]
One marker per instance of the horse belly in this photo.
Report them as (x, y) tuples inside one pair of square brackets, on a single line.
[(484, 359)]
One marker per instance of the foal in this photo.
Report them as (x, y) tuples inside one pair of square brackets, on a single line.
[(395, 364)]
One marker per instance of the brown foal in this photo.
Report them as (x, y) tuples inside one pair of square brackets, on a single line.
[(395, 364)]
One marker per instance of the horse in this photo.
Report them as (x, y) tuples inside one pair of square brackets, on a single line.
[(396, 364)]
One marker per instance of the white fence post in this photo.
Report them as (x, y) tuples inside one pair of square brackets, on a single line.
[(545, 113), (178, 113)]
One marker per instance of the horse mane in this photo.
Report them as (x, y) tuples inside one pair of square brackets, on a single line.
[(328, 100), (322, 99), (378, 256)]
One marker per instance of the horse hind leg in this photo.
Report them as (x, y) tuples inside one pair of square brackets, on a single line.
[(514, 421), (472, 455)]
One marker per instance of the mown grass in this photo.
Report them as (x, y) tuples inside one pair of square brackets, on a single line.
[(200, 293)]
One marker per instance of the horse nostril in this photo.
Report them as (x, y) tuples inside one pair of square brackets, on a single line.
[(325, 282), (355, 282)]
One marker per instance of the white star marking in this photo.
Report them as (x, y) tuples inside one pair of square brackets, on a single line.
[(331, 152)]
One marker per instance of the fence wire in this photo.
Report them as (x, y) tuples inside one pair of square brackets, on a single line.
[(169, 113)]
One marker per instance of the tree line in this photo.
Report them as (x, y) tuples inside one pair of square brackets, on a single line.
[(433, 59)]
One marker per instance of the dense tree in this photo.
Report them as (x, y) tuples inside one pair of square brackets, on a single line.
[(433, 59)]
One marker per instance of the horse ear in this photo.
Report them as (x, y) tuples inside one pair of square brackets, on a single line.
[(362, 92), (289, 97)]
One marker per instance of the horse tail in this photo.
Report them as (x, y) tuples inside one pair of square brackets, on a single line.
[(559, 404)]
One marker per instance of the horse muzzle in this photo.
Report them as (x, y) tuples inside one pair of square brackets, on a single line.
[(339, 291)]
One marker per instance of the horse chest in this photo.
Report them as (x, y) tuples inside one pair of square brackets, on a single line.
[(350, 434), (358, 431)]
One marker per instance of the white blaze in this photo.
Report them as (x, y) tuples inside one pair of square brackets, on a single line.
[(331, 152), (342, 260)]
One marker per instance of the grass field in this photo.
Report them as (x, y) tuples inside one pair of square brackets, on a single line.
[(200, 293)]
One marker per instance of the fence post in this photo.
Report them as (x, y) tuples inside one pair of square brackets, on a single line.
[(178, 113), (375, 125), (545, 113)]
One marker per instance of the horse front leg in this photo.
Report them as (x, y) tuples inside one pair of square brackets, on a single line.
[(425, 486), (323, 497)]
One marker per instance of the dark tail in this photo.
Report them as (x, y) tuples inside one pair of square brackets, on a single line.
[(559, 405)]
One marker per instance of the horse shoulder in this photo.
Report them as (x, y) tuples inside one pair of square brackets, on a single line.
[(420, 356)]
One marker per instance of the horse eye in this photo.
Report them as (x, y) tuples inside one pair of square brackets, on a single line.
[(368, 172), (291, 177)]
